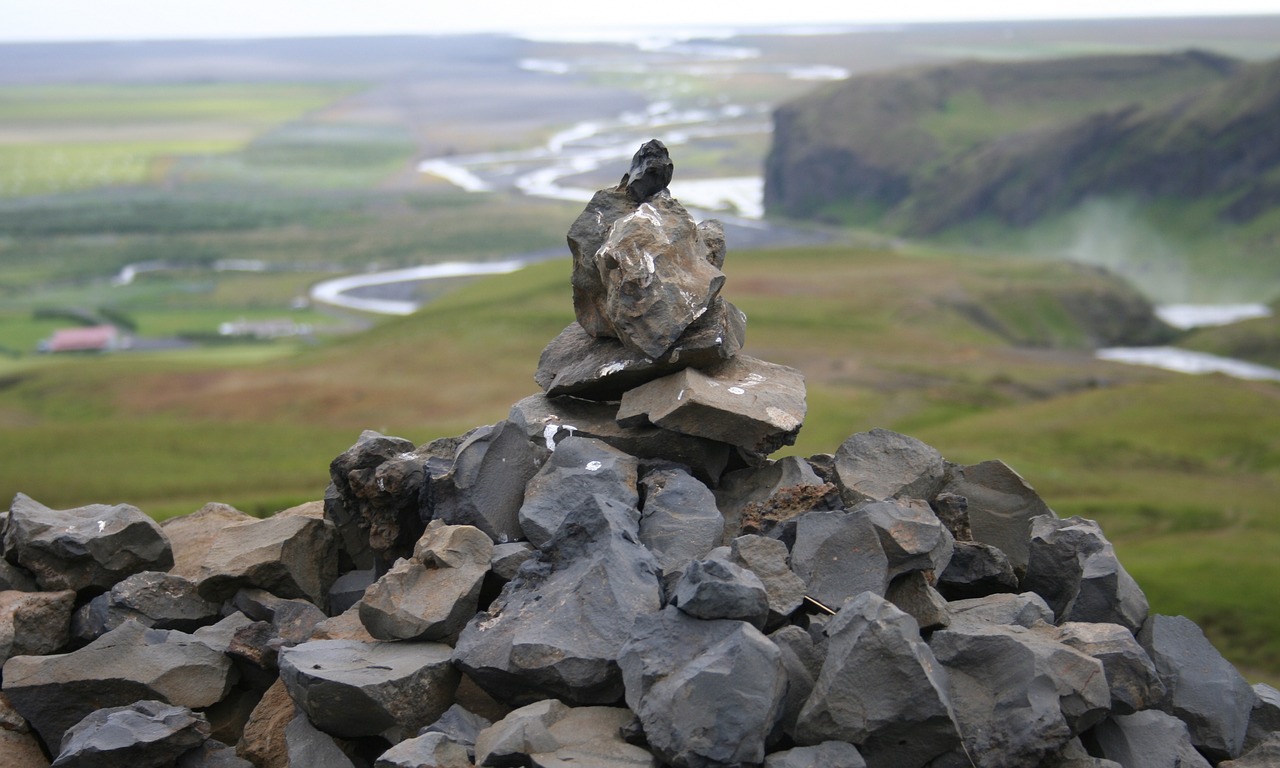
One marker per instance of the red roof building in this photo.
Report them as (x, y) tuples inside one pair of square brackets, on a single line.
[(94, 338)]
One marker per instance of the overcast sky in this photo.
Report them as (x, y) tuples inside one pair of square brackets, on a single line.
[(33, 20)]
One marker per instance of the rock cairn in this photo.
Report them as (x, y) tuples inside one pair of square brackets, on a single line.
[(615, 576)]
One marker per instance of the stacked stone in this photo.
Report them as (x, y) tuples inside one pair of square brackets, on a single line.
[(579, 586)]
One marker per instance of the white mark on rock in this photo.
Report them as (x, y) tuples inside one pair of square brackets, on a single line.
[(611, 368), (592, 466), (782, 419), (737, 390), (754, 377), (648, 262), (680, 396), (102, 526)]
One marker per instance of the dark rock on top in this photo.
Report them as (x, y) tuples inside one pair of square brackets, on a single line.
[(650, 171), (879, 465), (87, 549), (707, 692), (144, 733)]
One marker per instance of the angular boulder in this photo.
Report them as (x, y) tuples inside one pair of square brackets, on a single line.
[(767, 559), (679, 521), (549, 734), (151, 598), (373, 500), (144, 733), (579, 469), (1001, 506), (486, 484), (307, 745), (828, 754), (34, 623), (838, 555), (435, 750), (706, 692), (880, 465), (912, 536), (191, 535), (289, 557), (976, 570), (1075, 569), (1147, 739), (1024, 610), (86, 549), (717, 589), (351, 689), (1132, 676)]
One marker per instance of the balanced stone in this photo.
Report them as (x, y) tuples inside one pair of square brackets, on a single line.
[(879, 465), (754, 405), (650, 172)]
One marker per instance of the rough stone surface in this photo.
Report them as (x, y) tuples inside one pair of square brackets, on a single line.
[(1023, 610), (374, 498), (486, 485), (430, 750), (650, 171), (151, 598), (912, 536), (548, 421), (1074, 568), (912, 594), (749, 403), (1149, 739), (1018, 694), (828, 754), (87, 549), (755, 499), (679, 520), (1135, 685), (351, 689), (550, 735), (1000, 504), (123, 666), (1201, 688), (557, 627), (191, 536), (879, 465), (579, 469), (602, 368), (292, 620), (1265, 754), (881, 689), (307, 745), (767, 559), (432, 595), (212, 754), (263, 741), (19, 747), (144, 733), (707, 692), (507, 559), (1264, 719), (717, 589), (289, 557), (976, 570), (460, 725), (34, 623), (838, 555)]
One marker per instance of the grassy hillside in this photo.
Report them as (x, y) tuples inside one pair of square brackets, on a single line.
[(1178, 469)]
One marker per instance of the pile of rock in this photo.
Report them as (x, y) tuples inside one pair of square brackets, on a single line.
[(614, 576)]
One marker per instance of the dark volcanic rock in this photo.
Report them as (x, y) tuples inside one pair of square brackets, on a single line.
[(881, 689), (755, 499), (754, 405), (13, 578), (913, 595), (1074, 568), (1264, 720), (376, 508), (1130, 673), (976, 570), (87, 549), (650, 171), (802, 661), (1149, 739), (707, 692), (34, 623), (1001, 505), (838, 555), (291, 619), (151, 598), (579, 469), (125, 665), (351, 689), (348, 588), (679, 520), (1201, 688), (557, 627), (828, 754), (141, 734), (287, 556), (879, 465), (306, 745), (435, 750), (717, 589), (603, 368), (486, 485)]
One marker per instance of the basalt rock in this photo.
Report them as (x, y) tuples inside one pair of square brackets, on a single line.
[(34, 623), (976, 570), (1001, 506), (717, 589), (767, 559), (485, 485), (579, 469), (755, 499), (1147, 739), (151, 598), (1074, 568), (679, 521), (144, 733), (287, 556), (191, 535), (879, 465), (839, 556), (1132, 676), (377, 521)]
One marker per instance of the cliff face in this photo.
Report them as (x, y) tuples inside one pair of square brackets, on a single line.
[(928, 150)]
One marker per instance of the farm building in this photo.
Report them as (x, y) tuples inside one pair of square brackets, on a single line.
[(94, 338)]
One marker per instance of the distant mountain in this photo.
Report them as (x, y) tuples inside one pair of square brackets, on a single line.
[(924, 151)]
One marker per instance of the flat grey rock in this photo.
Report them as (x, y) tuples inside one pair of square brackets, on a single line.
[(348, 588), (373, 499), (1023, 610), (143, 733), (679, 520), (579, 469), (880, 465), (151, 598), (767, 559), (430, 750), (548, 734), (1001, 505), (307, 745), (1075, 569), (1148, 739)]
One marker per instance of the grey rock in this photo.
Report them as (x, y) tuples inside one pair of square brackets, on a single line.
[(716, 589), (349, 688), (287, 556), (1018, 694), (755, 499), (292, 619), (880, 465), (212, 754), (1148, 739), (603, 368), (953, 510), (307, 745), (912, 594), (707, 692), (838, 555), (881, 689), (828, 754), (586, 236), (1130, 673), (430, 750), (486, 486), (1023, 610), (548, 421), (507, 558), (1264, 719), (976, 570), (1074, 755), (557, 627), (767, 559), (348, 588), (15, 579), (679, 521), (913, 537), (548, 734), (86, 549), (18, 745), (432, 595), (749, 403), (1074, 568), (125, 665), (142, 734), (191, 535), (34, 623), (460, 726), (524, 731), (802, 661), (579, 469), (650, 171), (151, 598), (375, 508), (1000, 504), (1265, 754), (1201, 688)]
